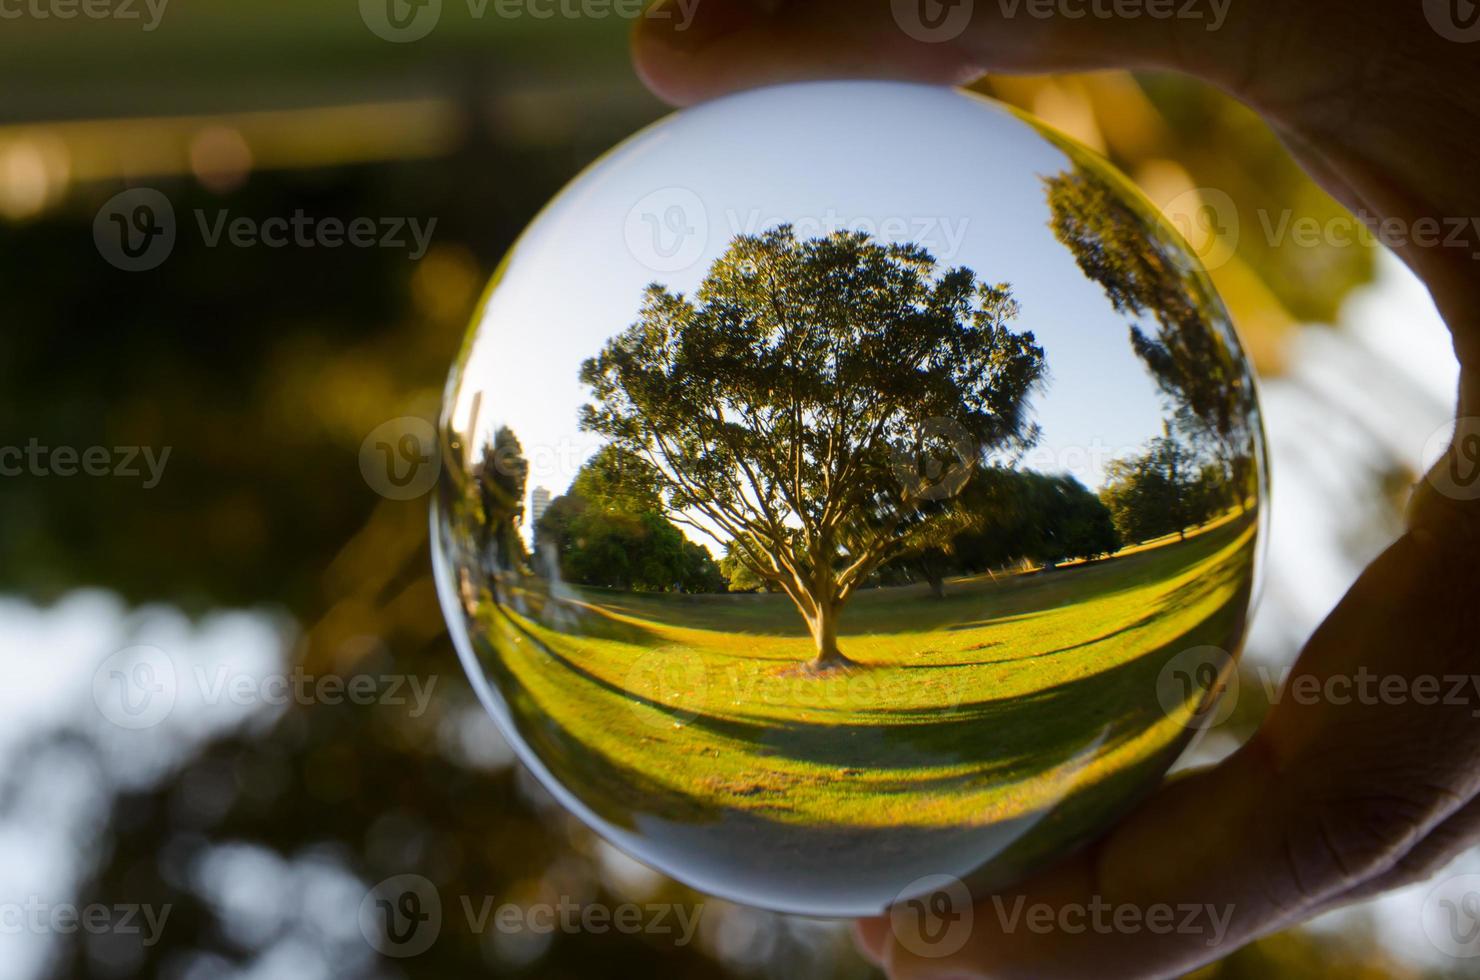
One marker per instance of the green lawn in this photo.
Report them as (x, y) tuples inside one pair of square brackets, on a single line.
[(1002, 700)]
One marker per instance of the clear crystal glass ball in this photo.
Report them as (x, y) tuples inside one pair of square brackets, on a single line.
[(847, 485)]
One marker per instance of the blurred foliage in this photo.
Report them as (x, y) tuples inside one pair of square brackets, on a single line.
[(1224, 181), (220, 55), (265, 369)]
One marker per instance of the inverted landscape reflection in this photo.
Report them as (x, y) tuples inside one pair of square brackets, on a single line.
[(848, 483)]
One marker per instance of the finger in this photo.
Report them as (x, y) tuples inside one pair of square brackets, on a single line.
[(1127, 908), (1428, 857), (1332, 793), (689, 50), (871, 936)]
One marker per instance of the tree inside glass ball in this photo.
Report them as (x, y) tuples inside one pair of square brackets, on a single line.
[(848, 485)]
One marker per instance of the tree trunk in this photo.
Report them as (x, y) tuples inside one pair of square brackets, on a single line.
[(934, 576), (824, 627), (937, 584)]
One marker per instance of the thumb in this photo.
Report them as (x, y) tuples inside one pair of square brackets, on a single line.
[(690, 50)]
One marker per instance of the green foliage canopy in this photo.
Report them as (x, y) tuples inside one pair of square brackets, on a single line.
[(1183, 337)]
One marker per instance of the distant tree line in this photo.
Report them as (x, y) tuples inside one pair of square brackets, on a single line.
[(1166, 489), (1018, 516), (1182, 335), (607, 530)]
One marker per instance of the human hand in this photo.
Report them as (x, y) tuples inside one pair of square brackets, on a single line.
[(1328, 803)]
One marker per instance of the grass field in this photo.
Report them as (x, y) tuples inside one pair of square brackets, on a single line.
[(1004, 699)]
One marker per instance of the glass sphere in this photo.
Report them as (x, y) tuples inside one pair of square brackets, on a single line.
[(846, 485)]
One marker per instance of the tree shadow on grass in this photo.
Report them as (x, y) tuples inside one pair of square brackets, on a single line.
[(894, 609), (993, 740), (1025, 601), (1004, 738)]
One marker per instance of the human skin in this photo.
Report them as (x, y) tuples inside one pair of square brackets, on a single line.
[(1328, 803)]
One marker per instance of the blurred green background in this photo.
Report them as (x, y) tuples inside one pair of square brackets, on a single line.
[(263, 549)]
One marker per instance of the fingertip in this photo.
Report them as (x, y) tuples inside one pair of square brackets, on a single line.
[(872, 936), (657, 65), (687, 51), (668, 36)]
